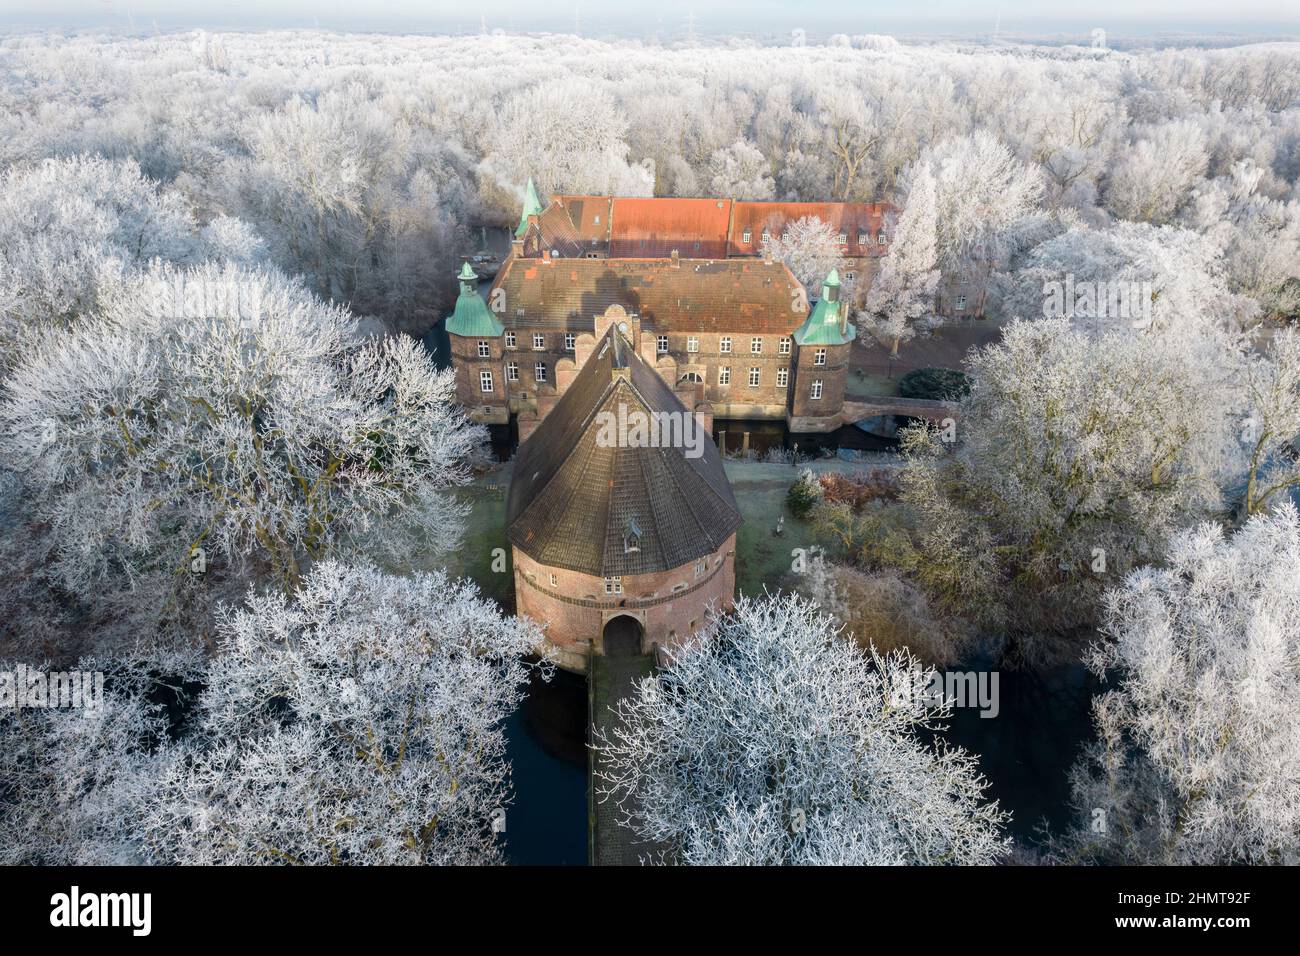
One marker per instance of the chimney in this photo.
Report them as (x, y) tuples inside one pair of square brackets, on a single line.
[(677, 259), (546, 256)]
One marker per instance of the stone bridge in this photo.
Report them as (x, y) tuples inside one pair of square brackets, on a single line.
[(874, 405)]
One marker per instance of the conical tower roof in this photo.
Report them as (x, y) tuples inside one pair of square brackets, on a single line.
[(532, 207), (575, 496)]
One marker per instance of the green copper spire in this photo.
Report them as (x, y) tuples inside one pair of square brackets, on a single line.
[(827, 323), (472, 318), (532, 207)]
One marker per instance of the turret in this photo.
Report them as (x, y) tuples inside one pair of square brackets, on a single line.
[(472, 318), (828, 322)]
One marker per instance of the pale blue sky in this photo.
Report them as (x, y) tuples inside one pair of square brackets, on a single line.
[(712, 16)]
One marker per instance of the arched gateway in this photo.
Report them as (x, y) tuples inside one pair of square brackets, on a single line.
[(622, 637)]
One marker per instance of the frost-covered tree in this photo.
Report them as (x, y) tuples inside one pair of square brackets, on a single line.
[(71, 229), (903, 291), (1259, 236), (1166, 282), (358, 722), (740, 171), (1272, 385), (1076, 457), (1153, 177), (982, 193), (72, 781), (810, 247), (770, 739), (1197, 759), (226, 408), (568, 136)]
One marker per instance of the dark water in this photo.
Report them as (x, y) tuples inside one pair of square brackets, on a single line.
[(546, 745), (729, 434), (1026, 751)]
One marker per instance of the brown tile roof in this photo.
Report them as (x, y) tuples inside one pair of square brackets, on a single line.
[(851, 219), (725, 295), (572, 500), (650, 228)]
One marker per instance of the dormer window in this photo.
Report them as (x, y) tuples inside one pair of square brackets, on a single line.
[(631, 537)]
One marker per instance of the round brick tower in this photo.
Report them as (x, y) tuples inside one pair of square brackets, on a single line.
[(620, 534)]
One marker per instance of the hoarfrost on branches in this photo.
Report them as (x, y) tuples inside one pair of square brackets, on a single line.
[(771, 739)]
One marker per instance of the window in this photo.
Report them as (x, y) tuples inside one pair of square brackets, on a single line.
[(863, 239), (593, 255), (844, 239), (510, 340), (701, 565), (766, 235), (485, 380), (815, 392), (819, 357), (724, 375), (850, 276), (554, 580), (697, 247), (724, 345), (539, 371), (614, 585), (756, 345), (512, 371), (783, 346), (693, 343), (782, 377), (595, 220), (569, 339), (961, 302), (753, 377), (539, 340), (745, 238), (880, 239), (662, 341)]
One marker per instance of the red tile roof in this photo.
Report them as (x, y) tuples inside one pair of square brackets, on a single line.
[(652, 228), (852, 220), (626, 228)]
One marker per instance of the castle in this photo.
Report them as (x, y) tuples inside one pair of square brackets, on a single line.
[(667, 309), (723, 324)]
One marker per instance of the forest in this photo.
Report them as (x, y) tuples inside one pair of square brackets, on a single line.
[(214, 505)]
